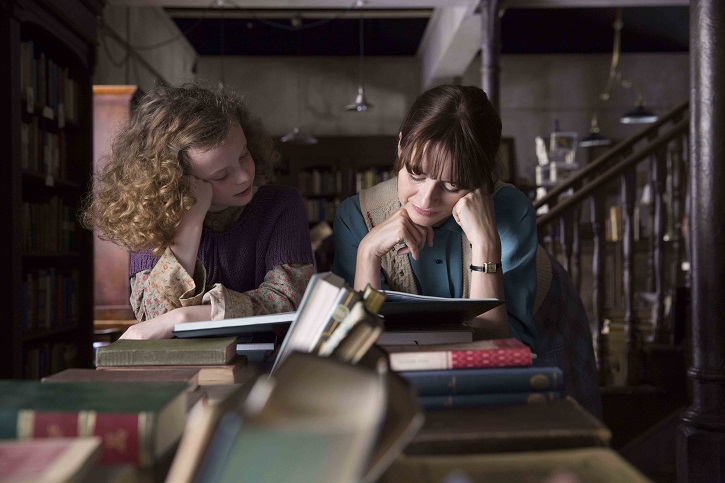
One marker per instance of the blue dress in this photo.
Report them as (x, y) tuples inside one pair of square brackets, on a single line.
[(438, 270)]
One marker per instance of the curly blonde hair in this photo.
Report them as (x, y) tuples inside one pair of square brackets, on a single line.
[(139, 198)]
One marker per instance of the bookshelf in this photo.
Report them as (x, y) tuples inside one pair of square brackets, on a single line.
[(335, 168), (48, 50)]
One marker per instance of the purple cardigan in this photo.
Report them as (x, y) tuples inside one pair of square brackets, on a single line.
[(271, 231)]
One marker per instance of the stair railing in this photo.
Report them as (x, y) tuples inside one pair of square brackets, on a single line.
[(664, 146)]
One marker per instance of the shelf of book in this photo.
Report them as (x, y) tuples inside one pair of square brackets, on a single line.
[(49, 51), (335, 168)]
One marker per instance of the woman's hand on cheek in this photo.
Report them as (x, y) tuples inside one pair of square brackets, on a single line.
[(476, 215), (396, 229)]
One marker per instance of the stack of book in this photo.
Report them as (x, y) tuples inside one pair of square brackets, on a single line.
[(327, 408), (134, 424), (472, 374), (333, 319), (215, 359)]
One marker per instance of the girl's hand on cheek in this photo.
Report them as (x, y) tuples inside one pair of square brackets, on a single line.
[(476, 215), (202, 191), (396, 229)]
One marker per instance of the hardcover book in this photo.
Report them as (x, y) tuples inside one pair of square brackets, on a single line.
[(312, 315), (523, 427), (241, 326), (167, 352), (485, 380), (405, 309), (186, 375), (446, 334), (483, 353), (51, 460), (572, 465), (208, 374), (489, 399), (315, 420), (137, 425)]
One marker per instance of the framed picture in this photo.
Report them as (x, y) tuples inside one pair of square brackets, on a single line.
[(507, 158), (562, 146)]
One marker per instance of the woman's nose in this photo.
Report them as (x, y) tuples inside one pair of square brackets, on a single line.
[(429, 193)]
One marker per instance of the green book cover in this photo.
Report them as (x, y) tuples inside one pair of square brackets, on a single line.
[(165, 352), (136, 424)]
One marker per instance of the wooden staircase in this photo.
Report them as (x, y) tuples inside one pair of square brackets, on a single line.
[(631, 271)]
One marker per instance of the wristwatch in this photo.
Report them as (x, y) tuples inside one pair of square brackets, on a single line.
[(487, 267)]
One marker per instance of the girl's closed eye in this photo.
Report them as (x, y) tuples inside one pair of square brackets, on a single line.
[(221, 177)]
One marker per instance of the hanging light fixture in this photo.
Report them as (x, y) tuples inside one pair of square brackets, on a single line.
[(297, 135), (594, 138), (639, 115), (361, 104)]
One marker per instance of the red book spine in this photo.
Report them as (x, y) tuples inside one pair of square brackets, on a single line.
[(120, 433), (489, 358)]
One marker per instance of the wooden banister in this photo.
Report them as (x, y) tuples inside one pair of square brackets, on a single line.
[(660, 145)]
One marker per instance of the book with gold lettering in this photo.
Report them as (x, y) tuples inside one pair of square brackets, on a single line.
[(136, 425)]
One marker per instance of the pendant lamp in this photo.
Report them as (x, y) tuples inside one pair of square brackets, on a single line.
[(297, 135), (594, 138), (361, 104)]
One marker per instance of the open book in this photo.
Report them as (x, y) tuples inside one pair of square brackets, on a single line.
[(419, 310)]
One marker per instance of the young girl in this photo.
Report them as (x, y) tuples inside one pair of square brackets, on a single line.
[(180, 192), (444, 225)]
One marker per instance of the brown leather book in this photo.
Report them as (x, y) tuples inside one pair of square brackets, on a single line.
[(209, 374), (527, 427)]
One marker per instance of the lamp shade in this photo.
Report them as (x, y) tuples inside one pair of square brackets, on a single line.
[(361, 104), (638, 115), (594, 139), (297, 136)]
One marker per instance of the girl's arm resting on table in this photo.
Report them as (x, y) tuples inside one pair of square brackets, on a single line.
[(161, 327), (281, 291), (166, 287)]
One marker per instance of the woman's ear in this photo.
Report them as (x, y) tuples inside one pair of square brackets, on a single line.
[(400, 138)]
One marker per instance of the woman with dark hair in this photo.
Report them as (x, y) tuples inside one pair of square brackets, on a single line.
[(444, 225)]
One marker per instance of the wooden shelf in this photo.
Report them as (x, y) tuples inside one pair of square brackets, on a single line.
[(49, 51)]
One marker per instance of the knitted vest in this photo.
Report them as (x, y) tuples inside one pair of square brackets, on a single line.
[(380, 202), (272, 230)]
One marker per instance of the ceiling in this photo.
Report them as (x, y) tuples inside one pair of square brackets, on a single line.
[(444, 34), (328, 32)]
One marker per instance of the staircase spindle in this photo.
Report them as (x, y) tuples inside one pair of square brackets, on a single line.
[(598, 289), (565, 239), (631, 329), (660, 333), (575, 271)]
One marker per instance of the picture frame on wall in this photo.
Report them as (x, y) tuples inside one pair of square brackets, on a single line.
[(507, 160)]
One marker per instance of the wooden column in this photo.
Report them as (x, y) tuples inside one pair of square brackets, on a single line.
[(111, 289), (491, 51), (701, 435)]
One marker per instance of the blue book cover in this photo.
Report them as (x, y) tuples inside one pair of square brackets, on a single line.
[(485, 380), (492, 399)]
